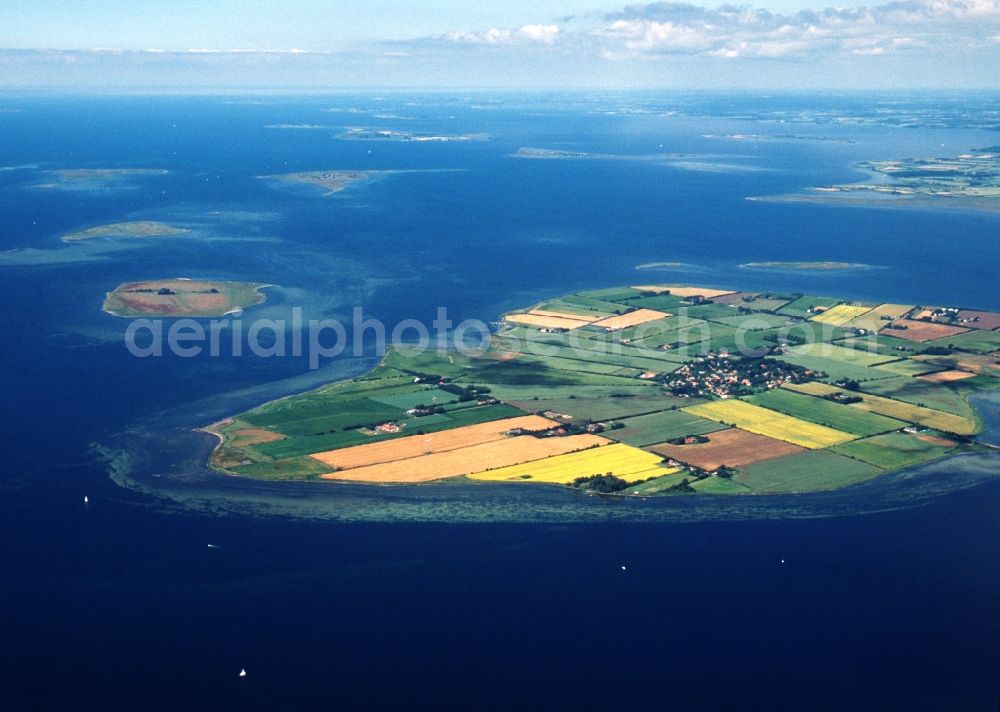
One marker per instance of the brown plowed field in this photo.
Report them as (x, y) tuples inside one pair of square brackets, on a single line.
[(733, 448), (922, 330)]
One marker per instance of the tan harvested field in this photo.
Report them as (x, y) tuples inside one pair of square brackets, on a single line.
[(922, 330), (467, 460), (563, 315), (733, 448), (987, 321), (546, 322), (441, 441), (946, 376), (684, 292), (873, 321), (633, 318)]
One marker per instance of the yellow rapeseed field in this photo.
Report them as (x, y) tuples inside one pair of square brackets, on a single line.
[(629, 463), (841, 314), (873, 320), (773, 424)]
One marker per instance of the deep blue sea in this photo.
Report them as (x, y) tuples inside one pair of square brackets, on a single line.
[(883, 596)]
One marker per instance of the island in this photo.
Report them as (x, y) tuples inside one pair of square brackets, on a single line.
[(646, 390), (182, 297), (550, 153), (807, 266), (139, 228), (330, 181), (73, 175), (662, 266), (358, 133), (91, 179)]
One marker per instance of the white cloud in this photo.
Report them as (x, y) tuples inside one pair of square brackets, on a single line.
[(666, 28), (529, 34), (545, 34), (661, 29)]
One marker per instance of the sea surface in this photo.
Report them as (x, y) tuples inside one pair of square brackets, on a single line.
[(170, 580)]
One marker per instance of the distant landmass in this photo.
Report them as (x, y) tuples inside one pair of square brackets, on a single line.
[(970, 180)]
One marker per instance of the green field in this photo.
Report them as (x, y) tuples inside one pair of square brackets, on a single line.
[(976, 341), (719, 485), (294, 468), (601, 408), (596, 352), (836, 370), (800, 307), (893, 451), (908, 367), (883, 344), (825, 412), (660, 427), (535, 374), (449, 364), (893, 408), (658, 484), (711, 312), (758, 321), (805, 471), (949, 399), (662, 302), (857, 357), (612, 294), (577, 365), (514, 392), (305, 444), (426, 396)]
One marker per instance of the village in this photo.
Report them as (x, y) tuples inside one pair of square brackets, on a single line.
[(725, 377)]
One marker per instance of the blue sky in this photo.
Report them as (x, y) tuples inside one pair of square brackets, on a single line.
[(791, 44)]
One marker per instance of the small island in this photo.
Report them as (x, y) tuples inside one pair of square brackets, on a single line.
[(181, 297), (330, 181), (75, 175), (807, 266), (646, 390), (550, 153), (139, 228), (358, 133), (94, 179), (662, 266)]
